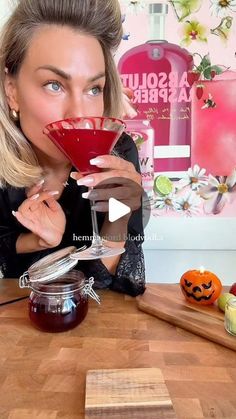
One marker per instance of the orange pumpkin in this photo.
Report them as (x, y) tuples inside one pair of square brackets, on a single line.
[(200, 287)]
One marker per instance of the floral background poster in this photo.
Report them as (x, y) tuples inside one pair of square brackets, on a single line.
[(205, 31)]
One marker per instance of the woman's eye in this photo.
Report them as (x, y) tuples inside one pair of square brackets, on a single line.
[(96, 90), (54, 86)]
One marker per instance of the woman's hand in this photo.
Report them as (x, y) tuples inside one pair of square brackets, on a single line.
[(42, 215), (118, 180)]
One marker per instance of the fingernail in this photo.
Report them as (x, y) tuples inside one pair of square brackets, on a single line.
[(90, 195), (41, 182), (97, 161), (14, 213), (85, 181), (53, 193), (33, 197), (73, 175)]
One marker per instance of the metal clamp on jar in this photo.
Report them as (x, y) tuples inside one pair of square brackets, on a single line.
[(59, 297)]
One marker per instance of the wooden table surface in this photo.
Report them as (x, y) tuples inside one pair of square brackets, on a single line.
[(42, 375)]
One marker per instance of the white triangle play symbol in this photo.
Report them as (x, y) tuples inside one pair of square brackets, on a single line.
[(117, 209)]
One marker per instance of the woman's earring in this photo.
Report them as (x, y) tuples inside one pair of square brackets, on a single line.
[(14, 115)]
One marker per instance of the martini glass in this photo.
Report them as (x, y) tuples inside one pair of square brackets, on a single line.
[(82, 139)]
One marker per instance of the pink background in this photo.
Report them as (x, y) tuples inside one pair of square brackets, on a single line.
[(221, 52)]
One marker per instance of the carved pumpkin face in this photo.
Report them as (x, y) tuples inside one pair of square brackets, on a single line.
[(200, 287)]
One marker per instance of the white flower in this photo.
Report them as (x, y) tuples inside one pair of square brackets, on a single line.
[(218, 192), (135, 6), (189, 203), (167, 202), (195, 177), (222, 8)]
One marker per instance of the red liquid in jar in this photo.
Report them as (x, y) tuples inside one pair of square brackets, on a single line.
[(82, 145), (50, 316)]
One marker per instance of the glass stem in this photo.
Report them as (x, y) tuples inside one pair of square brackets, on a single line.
[(97, 244)]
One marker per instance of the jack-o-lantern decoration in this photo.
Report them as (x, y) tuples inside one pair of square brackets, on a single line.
[(200, 286)]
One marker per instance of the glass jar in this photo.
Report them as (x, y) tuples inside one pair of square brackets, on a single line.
[(59, 294), (230, 316)]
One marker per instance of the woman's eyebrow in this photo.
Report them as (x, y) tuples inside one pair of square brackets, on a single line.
[(67, 76), (98, 76), (55, 70)]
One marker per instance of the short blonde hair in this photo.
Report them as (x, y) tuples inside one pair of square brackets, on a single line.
[(99, 18)]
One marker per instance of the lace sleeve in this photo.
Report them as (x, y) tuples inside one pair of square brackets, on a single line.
[(130, 273)]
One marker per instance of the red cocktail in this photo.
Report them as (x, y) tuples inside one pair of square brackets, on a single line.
[(80, 147), (82, 139)]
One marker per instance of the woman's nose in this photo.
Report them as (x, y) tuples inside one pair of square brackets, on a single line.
[(74, 108)]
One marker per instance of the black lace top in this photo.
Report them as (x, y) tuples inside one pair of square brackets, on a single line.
[(130, 272)]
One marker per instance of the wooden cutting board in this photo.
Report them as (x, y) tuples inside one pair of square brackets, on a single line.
[(168, 303), (138, 393)]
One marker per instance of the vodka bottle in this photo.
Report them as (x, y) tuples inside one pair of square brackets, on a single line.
[(157, 73)]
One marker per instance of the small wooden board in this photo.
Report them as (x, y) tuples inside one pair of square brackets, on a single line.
[(167, 302), (138, 393)]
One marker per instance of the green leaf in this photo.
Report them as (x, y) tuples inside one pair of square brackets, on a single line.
[(217, 69), (199, 69), (139, 141), (207, 73), (205, 61)]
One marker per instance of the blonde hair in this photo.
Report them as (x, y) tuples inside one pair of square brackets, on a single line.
[(99, 18)]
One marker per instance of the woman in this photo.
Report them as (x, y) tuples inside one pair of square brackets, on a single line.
[(56, 63)]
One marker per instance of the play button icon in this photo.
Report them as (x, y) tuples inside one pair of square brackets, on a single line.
[(117, 209), (119, 202)]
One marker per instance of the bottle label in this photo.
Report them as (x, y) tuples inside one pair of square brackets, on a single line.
[(158, 88)]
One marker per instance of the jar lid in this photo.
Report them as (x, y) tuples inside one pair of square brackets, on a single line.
[(50, 267)]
